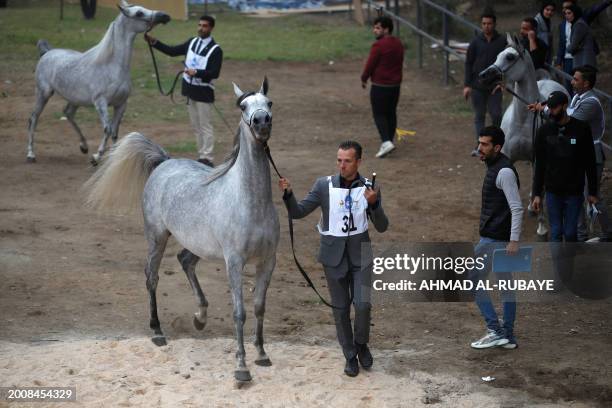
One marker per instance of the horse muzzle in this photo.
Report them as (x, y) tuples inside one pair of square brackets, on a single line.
[(490, 75), (261, 122), (161, 18)]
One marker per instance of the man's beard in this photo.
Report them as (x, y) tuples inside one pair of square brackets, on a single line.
[(203, 35), (557, 117)]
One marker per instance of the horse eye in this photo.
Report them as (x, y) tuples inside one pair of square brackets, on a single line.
[(269, 104), (242, 107), (510, 57), (139, 14)]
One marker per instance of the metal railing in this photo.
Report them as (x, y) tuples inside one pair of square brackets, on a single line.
[(421, 34)]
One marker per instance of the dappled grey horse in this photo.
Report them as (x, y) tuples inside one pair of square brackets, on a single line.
[(222, 213), (99, 76), (514, 66)]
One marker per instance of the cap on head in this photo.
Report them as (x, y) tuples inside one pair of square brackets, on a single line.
[(557, 98)]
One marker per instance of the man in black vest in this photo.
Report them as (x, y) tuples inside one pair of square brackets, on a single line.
[(203, 59), (500, 226)]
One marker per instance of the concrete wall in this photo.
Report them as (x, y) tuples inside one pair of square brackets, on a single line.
[(177, 9)]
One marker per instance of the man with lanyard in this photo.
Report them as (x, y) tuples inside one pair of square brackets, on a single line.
[(501, 217), (202, 65), (585, 106), (346, 201), (384, 68)]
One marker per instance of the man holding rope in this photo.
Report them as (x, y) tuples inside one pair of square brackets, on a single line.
[(202, 65), (346, 200)]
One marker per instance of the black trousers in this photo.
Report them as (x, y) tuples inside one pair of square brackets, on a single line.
[(342, 281), (384, 107)]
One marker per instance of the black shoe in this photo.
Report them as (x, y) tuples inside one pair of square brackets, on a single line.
[(206, 162), (364, 355), (352, 367)]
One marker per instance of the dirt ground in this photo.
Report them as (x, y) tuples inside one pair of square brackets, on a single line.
[(74, 308)]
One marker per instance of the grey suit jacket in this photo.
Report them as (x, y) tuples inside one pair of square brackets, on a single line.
[(582, 45), (331, 250)]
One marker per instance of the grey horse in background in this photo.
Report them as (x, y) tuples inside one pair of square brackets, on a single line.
[(515, 67), (223, 213), (99, 76)]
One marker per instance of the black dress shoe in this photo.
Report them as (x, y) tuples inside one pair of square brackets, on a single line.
[(352, 367), (206, 162), (365, 357)]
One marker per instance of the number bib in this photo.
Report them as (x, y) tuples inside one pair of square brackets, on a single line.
[(347, 213)]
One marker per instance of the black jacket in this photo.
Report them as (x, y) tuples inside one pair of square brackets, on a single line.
[(480, 55), (563, 155), (213, 69), (538, 56)]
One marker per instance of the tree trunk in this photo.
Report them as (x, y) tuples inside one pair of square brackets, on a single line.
[(358, 12)]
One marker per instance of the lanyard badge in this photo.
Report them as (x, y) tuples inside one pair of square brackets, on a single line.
[(348, 202)]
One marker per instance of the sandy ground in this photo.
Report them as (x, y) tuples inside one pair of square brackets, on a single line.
[(74, 308)]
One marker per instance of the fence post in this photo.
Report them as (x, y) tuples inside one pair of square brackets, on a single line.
[(369, 13), (396, 10), (419, 11), (445, 32), (387, 4)]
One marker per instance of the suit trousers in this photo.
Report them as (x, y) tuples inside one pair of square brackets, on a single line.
[(343, 280), (201, 121)]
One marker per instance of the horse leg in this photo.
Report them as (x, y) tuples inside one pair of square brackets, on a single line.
[(263, 276), (42, 97), (235, 266), (70, 111), (102, 108), (189, 261), (157, 245), (117, 116)]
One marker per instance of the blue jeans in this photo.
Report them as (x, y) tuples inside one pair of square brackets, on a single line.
[(486, 246), (563, 213)]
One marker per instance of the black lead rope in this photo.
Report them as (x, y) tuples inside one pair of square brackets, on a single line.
[(170, 93), (297, 263)]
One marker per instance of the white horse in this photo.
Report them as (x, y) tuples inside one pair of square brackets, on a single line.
[(99, 76), (514, 66), (223, 213)]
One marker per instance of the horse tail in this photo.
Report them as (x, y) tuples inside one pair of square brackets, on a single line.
[(43, 47), (120, 180)]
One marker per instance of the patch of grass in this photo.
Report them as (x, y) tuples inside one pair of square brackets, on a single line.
[(182, 147)]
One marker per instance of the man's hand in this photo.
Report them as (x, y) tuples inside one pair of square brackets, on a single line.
[(364, 84), (150, 39), (466, 92), (512, 248), (284, 184), (592, 200), (536, 203), (498, 87), (191, 72), (371, 194), (535, 107)]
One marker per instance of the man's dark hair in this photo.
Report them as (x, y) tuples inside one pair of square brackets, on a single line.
[(488, 13), (209, 19), (351, 144), (385, 22), (495, 133), (532, 22), (589, 73)]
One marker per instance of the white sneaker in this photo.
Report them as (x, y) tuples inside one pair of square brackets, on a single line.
[(491, 339), (385, 149)]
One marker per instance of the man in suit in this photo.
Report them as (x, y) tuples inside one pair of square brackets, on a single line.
[(346, 200), (203, 59)]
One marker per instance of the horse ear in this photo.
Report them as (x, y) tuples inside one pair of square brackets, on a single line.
[(264, 86), (122, 6), (237, 91), (124, 3), (509, 40)]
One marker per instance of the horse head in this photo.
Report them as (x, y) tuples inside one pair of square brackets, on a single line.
[(256, 110), (140, 19), (510, 64)]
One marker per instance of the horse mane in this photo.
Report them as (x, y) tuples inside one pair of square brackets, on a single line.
[(103, 51), (228, 163)]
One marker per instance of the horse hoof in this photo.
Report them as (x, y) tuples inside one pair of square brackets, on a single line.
[(31, 159), (264, 362), (84, 149), (198, 324), (242, 376), (93, 161), (159, 341)]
